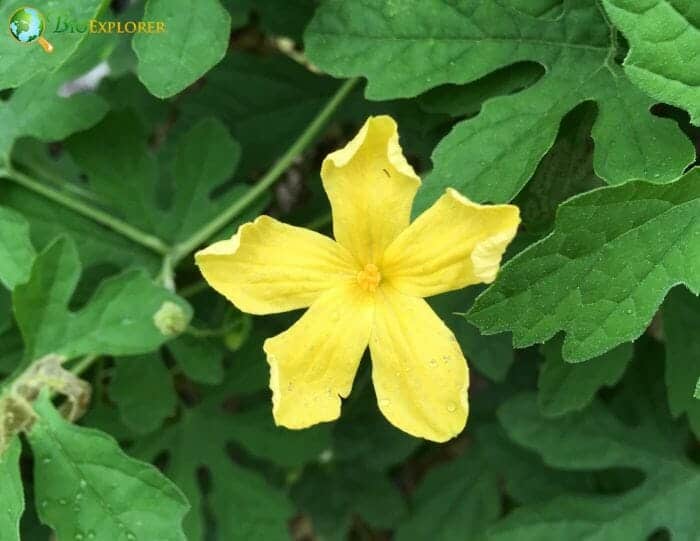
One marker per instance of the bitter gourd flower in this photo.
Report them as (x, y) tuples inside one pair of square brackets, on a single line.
[(366, 287)]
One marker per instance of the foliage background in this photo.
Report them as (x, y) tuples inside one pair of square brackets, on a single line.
[(581, 112)]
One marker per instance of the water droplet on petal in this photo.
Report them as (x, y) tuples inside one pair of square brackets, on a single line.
[(451, 407), (384, 402)]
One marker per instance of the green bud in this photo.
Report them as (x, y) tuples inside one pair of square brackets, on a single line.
[(170, 319)]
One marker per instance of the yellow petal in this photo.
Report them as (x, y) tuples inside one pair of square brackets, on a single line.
[(270, 267), (419, 373), (371, 188), (453, 244), (313, 363)]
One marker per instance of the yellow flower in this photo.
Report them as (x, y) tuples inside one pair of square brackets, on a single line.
[(366, 288)]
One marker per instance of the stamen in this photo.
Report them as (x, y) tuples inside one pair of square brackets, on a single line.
[(369, 278)]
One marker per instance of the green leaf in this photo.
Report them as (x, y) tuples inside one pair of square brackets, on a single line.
[(37, 110), (492, 356), (122, 170), (261, 514), (333, 496), (681, 317), (664, 56), (206, 157), (11, 492), (127, 92), (466, 100), (97, 245), (87, 488), (250, 94), (596, 439), (566, 170), (11, 349), (277, 17), (120, 319), (22, 62), (199, 358), (199, 441), (407, 48), (602, 273), (527, 478), (565, 387), (16, 250), (455, 501), (196, 38), (115, 157), (250, 372), (255, 431), (363, 436), (143, 391), (537, 8)]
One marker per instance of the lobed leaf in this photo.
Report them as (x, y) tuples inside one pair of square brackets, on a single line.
[(664, 56), (681, 318), (11, 491), (195, 39), (16, 250), (122, 170), (37, 110), (143, 391), (87, 488), (112, 322), (598, 439), (406, 48), (261, 514), (602, 273), (566, 387), (455, 501), (197, 442)]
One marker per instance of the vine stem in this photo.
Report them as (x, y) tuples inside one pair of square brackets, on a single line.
[(172, 256), (97, 215), (83, 364), (181, 250)]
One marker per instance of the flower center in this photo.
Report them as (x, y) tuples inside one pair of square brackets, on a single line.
[(369, 277)]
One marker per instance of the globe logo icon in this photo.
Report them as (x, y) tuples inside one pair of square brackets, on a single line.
[(27, 25)]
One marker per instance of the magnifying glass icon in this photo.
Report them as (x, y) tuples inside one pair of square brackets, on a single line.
[(27, 26)]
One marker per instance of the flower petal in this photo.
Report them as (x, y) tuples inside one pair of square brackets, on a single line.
[(371, 188), (453, 244), (270, 267), (313, 363), (419, 373)]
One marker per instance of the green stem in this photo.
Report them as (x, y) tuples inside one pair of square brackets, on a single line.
[(167, 274), (187, 246), (192, 289), (83, 364), (99, 216), (46, 174)]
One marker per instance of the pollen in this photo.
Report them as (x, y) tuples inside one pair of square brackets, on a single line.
[(369, 277)]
